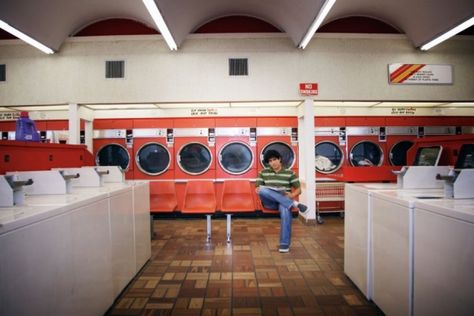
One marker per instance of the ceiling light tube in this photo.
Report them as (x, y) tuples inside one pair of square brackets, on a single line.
[(461, 27), (25, 38), (160, 23), (316, 23)]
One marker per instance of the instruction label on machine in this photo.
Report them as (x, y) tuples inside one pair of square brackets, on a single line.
[(420, 74)]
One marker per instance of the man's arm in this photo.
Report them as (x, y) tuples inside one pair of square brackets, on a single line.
[(294, 194)]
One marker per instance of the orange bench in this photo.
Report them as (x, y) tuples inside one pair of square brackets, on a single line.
[(162, 198), (200, 198), (236, 198)]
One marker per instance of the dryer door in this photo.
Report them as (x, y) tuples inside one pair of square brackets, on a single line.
[(194, 158), (235, 158), (366, 153), (285, 150), (113, 155), (398, 153), (153, 159), (328, 157)]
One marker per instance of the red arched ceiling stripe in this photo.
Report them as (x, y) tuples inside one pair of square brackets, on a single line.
[(358, 24), (237, 24), (116, 27)]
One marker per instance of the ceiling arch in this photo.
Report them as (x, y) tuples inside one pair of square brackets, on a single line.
[(52, 21)]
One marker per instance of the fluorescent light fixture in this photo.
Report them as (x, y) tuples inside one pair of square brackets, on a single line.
[(160, 23), (458, 105), (408, 104), (120, 106), (41, 108), (343, 104), (192, 105), (25, 38), (265, 104), (461, 27), (316, 23)]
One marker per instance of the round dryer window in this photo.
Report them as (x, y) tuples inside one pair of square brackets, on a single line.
[(287, 154), (113, 155), (328, 157), (365, 154), (235, 158), (398, 153), (194, 158), (153, 159)]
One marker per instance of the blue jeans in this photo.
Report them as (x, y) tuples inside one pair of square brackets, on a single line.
[(277, 201)]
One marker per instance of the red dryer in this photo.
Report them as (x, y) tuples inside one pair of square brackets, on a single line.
[(113, 144), (153, 145)]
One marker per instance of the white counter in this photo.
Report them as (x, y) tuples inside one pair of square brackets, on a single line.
[(357, 233), (72, 254), (392, 245), (444, 257)]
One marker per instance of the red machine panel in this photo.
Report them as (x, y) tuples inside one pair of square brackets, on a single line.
[(281, 134), (113, 140), (330, 147), (153, 147)]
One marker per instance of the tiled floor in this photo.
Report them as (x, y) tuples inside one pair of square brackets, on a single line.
[(187, 276)]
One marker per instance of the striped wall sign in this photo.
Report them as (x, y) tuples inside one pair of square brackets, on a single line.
[(420, 74)]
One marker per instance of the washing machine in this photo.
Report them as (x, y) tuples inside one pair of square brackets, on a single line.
[(236, 148), (329, 149), (366, 145), (194, 143), (236, 151), (153, 148), (280, 134), (113, 144), (399, 140)]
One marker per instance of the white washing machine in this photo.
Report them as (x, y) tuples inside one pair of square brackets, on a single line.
[(357, 233), (392, 248), (444, 257)]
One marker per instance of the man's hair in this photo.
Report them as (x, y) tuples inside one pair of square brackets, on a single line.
[(269, 154)]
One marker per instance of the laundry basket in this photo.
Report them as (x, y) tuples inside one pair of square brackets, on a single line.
[(328, 191)]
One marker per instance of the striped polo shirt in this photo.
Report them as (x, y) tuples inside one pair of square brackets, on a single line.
[(285, 178)]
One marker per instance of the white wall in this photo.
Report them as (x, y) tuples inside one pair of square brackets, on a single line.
[(346, 68)]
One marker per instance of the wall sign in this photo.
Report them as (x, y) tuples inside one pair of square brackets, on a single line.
[(308, 88), (9, 116), (403, 111), (204, 111), (420, 74)]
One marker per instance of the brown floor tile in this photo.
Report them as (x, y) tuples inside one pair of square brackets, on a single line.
[(187, 276)]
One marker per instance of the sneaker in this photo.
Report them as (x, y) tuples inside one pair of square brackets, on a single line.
[(284, 248), (303, 208)]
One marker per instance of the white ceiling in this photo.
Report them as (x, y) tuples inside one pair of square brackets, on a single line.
[(52, 21)]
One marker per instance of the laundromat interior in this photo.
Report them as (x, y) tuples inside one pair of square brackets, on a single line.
[(134, 134)]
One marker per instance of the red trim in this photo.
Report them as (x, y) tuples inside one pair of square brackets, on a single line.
[(237, 24), (115, 27)]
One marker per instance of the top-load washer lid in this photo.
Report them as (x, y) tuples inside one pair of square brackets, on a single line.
[(153, 159), (236, 158), (466, 157), (328, 157), (113, 155), (285, 150), (428, 156), (194, 158), (365, 154), (398, 153)]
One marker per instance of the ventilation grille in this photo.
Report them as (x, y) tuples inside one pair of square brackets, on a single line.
[(114, 69), (238, 67), (3, 72)]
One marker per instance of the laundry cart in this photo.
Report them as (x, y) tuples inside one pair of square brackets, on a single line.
[(329, 198)]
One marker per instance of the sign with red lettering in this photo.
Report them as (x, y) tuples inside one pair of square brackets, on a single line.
[(308, 88)]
